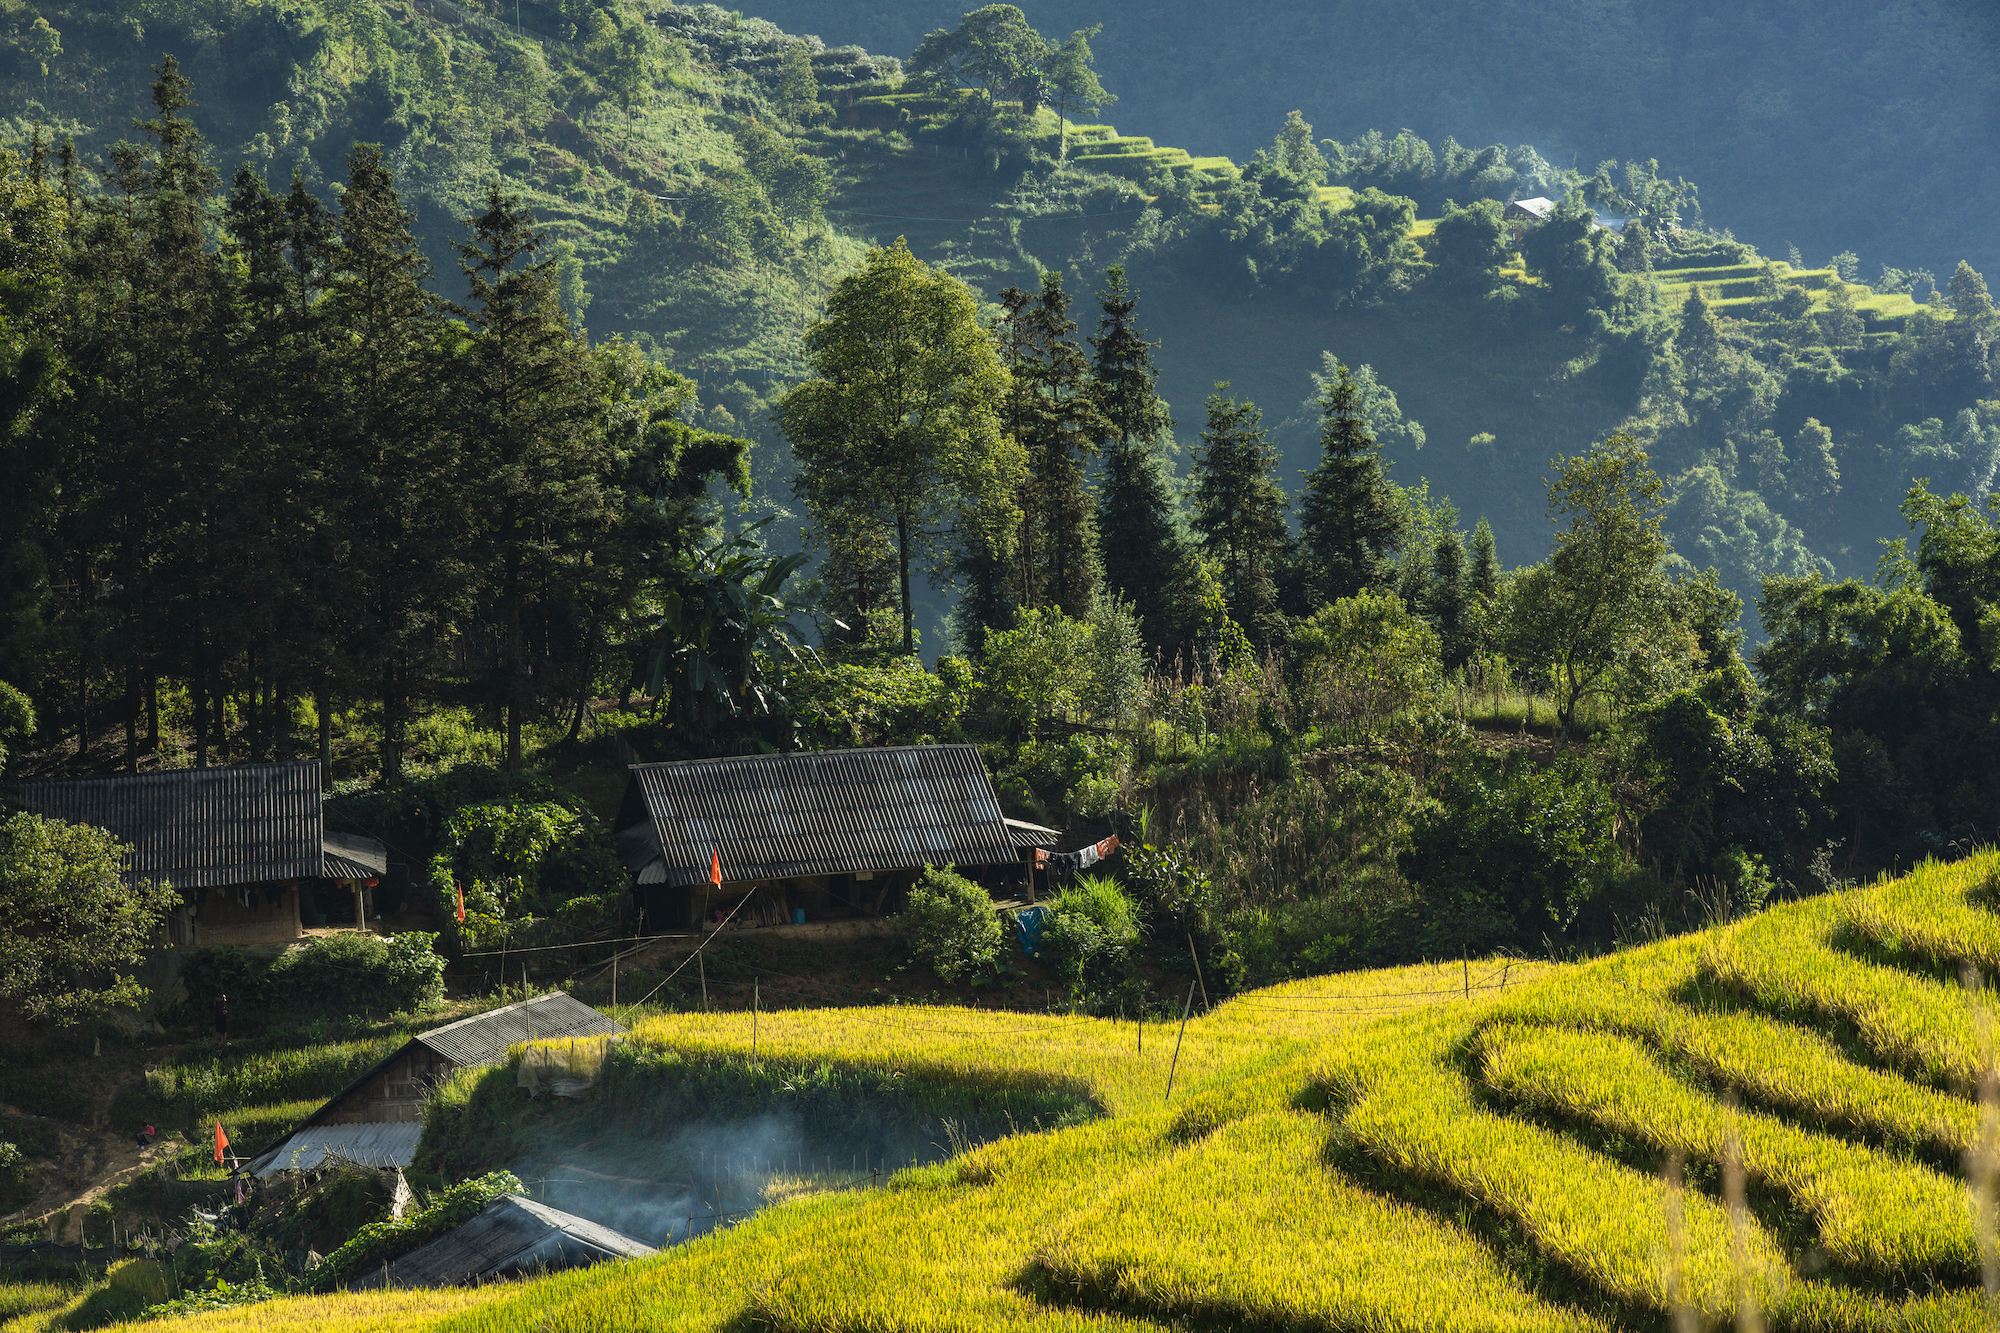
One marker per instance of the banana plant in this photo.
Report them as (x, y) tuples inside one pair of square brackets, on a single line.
[(722, 626)]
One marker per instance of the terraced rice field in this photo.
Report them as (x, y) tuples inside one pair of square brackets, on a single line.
[(1766, 1126)]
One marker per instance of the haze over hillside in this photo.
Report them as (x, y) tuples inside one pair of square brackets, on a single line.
[(1848, 125)]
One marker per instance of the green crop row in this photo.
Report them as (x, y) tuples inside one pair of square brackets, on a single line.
[(1932, 912), (1873, 1212), (1771, 1063), (1599, 1218), (1785, 962), (1250, 1226)]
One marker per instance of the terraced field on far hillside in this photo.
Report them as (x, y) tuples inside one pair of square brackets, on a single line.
[(1765, 1125)]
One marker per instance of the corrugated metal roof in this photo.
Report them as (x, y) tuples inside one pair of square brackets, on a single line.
[(485, 1038), (825, 812), (199, 828), (378, 1145), (508, 1236), (348, 856), (1031, 835)]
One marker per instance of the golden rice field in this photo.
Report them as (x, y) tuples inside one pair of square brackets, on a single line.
[(1765, 1126)]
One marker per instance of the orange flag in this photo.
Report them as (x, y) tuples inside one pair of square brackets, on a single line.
[(461, 901), (715, 868), (221, 1142)]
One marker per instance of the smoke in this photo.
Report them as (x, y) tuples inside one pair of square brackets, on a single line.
[(707, 1176)]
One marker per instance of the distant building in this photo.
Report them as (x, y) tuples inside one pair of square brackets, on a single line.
[(510, 1237), (243, 845), (377, 1119), (822, 832), (1531, 211)]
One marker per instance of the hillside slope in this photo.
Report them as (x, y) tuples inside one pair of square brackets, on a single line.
[(641, 136), (1773, 1114), (1850, 125)]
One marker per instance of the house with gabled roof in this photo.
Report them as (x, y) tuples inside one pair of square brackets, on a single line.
[(776, 837), (242, 844), (377, 1119)]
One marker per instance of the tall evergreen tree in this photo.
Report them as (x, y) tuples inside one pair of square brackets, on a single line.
[(1240, 511), (1450, 604), (539, 461), (1349, 518), (1144, 551), (404, 499), (1051, 410), (1485, 563), (160, 484)]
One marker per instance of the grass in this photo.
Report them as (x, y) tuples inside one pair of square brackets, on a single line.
[(1409, 1149)]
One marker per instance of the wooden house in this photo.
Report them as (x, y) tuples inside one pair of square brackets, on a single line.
[(511, 1237), (243, 844), (807, 835), (377, 1119)]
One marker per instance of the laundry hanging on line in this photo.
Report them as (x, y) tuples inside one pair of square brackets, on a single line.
[(1062, 865)]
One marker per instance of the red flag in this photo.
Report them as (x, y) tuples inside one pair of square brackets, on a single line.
[(221, 1142), (715, 868), (461, 901)]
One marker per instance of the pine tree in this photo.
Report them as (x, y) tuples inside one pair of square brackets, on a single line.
[(1052, 412), (1240, 511), (1449, 606), (1349, 517), (1146, 556), (1485, 563), (159, 297), (403, 501), (540, 463)]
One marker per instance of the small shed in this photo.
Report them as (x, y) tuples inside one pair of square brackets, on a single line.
[(510, 1236), (1531, 211), (241, 843), (377, 1119), (823, 832)]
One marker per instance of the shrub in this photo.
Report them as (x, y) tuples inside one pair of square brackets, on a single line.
[(379, 1243), (357, 971), (243, 977), (1530, 842), (1090, 930), (16, 1184), (950, 924)]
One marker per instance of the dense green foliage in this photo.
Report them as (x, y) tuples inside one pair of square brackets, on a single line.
[(69, 921), (949, 925), (379, 1243), (349, 972)]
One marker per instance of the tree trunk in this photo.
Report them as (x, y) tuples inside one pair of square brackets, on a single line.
[(200, 701), (322, 709), (391, 761), (903, 569), (152, 714), (252, 721), (131, 720), (513, 735)]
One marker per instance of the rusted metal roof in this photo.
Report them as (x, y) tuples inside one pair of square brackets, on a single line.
[(485, 1038), (824, 812), (509, 1236), (199, 828), (379, 1145)]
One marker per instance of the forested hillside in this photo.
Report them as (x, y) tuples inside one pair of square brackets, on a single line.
[(1850, 125)]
